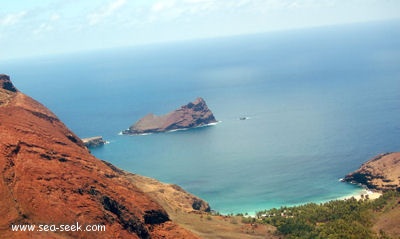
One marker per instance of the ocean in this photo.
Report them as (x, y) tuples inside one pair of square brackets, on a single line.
[(319, 103)]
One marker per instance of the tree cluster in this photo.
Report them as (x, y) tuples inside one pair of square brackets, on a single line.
[(338, 219)]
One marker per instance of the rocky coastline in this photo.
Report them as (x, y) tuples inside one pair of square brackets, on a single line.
[(381, 173)]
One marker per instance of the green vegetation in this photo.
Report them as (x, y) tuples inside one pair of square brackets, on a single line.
[(339, 219)]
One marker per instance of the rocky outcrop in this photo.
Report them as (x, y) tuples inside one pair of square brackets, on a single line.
[(94, 141), (192, 115), (48, 177), (7, 89), (380, 173), (170, 196), (6, 84)]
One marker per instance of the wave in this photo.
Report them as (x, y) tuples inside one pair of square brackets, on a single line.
[(200, 126), (211, 124), (244, 118), (174, 130), (121, 133)]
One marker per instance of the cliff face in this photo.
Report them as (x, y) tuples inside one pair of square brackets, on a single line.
[(379, 173), (192, 115), (49, 177)]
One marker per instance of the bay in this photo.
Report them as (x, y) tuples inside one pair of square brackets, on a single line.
[(319, 103)]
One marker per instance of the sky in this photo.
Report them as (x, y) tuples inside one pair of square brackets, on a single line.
[(31, 28)]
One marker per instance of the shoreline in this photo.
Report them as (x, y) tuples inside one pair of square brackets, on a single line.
[(360, 194), (364, 194)]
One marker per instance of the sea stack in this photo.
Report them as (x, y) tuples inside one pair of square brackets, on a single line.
[(192, 115)]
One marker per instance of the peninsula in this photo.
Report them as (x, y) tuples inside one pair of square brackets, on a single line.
[(192, 115), (381, 173)]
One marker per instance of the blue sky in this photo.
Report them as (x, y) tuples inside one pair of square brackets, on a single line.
[(32, 27)]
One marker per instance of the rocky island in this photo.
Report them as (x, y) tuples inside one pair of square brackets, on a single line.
[(381, 173), (192, 115), (95, 141)]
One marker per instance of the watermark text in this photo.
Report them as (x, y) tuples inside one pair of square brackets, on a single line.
[(76, 227)]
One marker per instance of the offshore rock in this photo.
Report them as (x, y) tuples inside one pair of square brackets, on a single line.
[(94, 141), (192, 115), (380, 173)]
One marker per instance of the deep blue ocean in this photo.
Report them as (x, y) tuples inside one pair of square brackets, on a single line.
[(320, 102)]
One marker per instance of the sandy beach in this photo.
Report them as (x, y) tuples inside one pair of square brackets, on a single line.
[(369, 194)]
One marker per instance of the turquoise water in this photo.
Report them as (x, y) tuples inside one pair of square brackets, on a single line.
[(320, 102)]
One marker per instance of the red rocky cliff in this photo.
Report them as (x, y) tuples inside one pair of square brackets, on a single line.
[(49, 177)]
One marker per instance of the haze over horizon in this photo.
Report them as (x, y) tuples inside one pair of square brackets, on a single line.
[(33, 28)]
